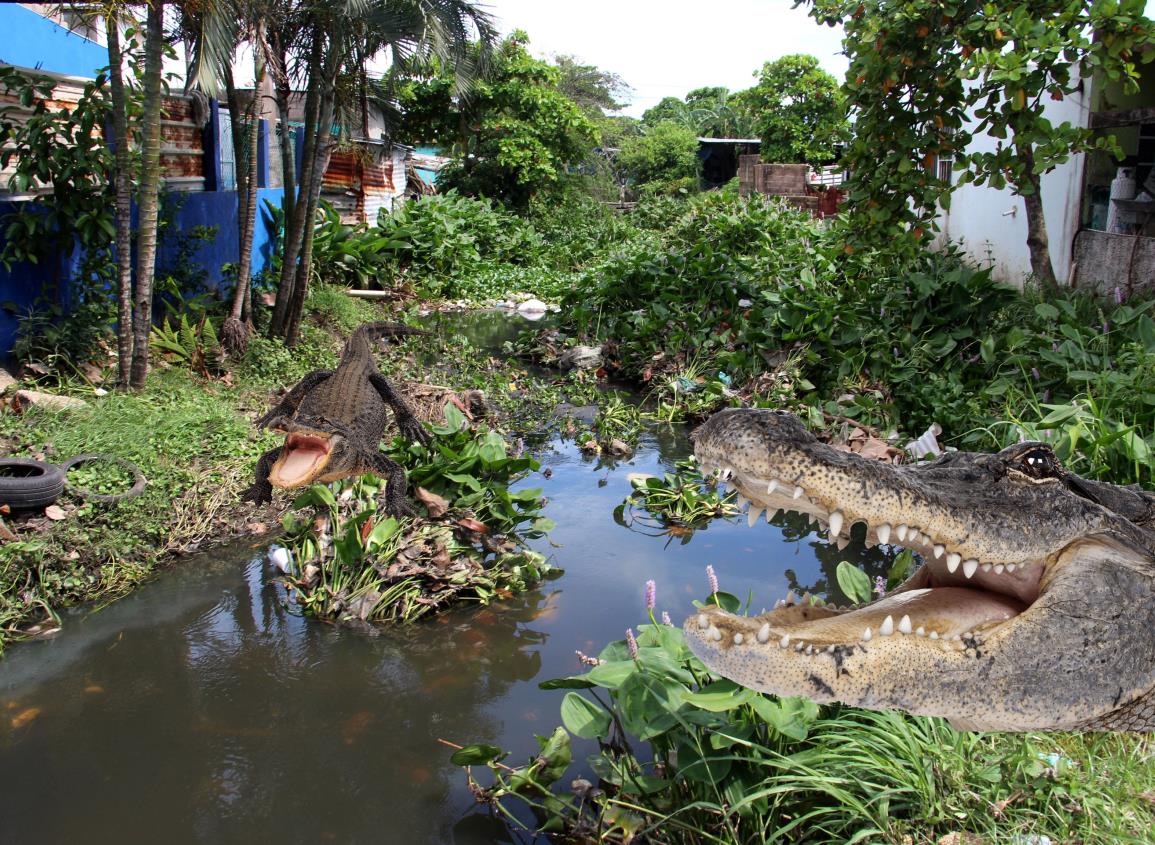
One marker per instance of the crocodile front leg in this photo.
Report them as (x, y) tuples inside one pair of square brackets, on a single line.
[(261, 491), (396, 505), (410, 428), (288, 406)]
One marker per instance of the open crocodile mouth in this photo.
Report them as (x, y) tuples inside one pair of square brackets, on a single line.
[(952, 602), (302, 458)]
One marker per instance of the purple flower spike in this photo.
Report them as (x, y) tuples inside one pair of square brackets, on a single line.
[(1035, 373), (1106, 328), (632, 643), (879, 585), (666, 620), (712, 578), (651, 594), (1118, 295)]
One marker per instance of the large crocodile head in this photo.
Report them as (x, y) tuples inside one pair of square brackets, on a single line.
[(315, 452), (1034, 608)]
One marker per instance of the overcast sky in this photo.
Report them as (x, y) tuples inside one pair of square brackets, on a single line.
[(664, 48)]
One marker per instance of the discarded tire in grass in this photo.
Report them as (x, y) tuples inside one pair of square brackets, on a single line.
[(137, 485), (27, 484)]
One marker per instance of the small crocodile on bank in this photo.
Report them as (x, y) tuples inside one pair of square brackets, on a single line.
[(1034, 609), (333, 422)]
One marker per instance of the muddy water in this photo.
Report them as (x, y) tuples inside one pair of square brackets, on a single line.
[(201, 709)]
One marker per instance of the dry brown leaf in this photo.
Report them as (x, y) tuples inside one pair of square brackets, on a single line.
[(436, 505), (55, 513), (876, 449), (471, 524)]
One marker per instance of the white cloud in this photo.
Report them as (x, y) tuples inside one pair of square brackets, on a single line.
[(669, 47)]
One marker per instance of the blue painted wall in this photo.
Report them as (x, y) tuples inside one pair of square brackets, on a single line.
[(31, 41), (21, 287)]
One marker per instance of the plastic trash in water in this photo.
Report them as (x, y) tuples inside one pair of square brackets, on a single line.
[(281, 558)]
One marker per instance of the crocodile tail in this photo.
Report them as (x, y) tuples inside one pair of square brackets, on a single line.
[(360, 343), (382, 328)]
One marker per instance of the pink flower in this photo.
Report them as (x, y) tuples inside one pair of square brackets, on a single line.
[(712, 578), (666, 618), (651, 594), (632, 643)]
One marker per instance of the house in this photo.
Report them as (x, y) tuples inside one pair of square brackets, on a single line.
[(1101, 237)]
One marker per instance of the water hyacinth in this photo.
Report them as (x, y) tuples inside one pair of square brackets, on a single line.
[(712, 579), (632, 643)]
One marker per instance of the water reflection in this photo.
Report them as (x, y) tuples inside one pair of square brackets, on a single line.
[(203, 709), (231, 719)]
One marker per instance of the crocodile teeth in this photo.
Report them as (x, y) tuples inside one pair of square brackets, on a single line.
[(939, 548), (900, 531), (883, 532), (785, 641), (790, 599), (809, 650), (841, 543), (920, 631), (754, 515), (1011, 567), (799, 646), (738, 639), (987, 567), (778, 605), (836, 523), (887, 626), (742, 501), (904, 626), (999, 569), (714, 634), (934, 635), (866, 635), (798, 491), (772, 486), (763, 633), (703, 621), (970, 567), (952, 561)]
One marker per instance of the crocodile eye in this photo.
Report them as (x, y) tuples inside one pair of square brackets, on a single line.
[(1039, 461)]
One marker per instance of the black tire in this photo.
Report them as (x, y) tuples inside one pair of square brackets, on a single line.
[(107, 498), (27, 484)]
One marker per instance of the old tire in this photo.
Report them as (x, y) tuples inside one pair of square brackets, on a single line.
[(27, 484), (107, 498)]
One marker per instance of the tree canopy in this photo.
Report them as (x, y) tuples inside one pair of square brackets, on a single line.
[(925, 77), (798, 111), (513, 135)]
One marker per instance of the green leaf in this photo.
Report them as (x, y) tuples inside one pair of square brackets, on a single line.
[(584, 718), (853, 582), (611, 675), (454, 419), (475, 755), (719, 697)]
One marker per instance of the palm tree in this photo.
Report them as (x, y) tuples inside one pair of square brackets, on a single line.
[(149, 188), (337, 38), (123, 179)]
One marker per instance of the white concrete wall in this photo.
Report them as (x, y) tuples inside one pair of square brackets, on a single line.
[(979, 221)]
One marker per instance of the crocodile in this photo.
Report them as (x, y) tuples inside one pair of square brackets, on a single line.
[(333, 421), (1033, 609)]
